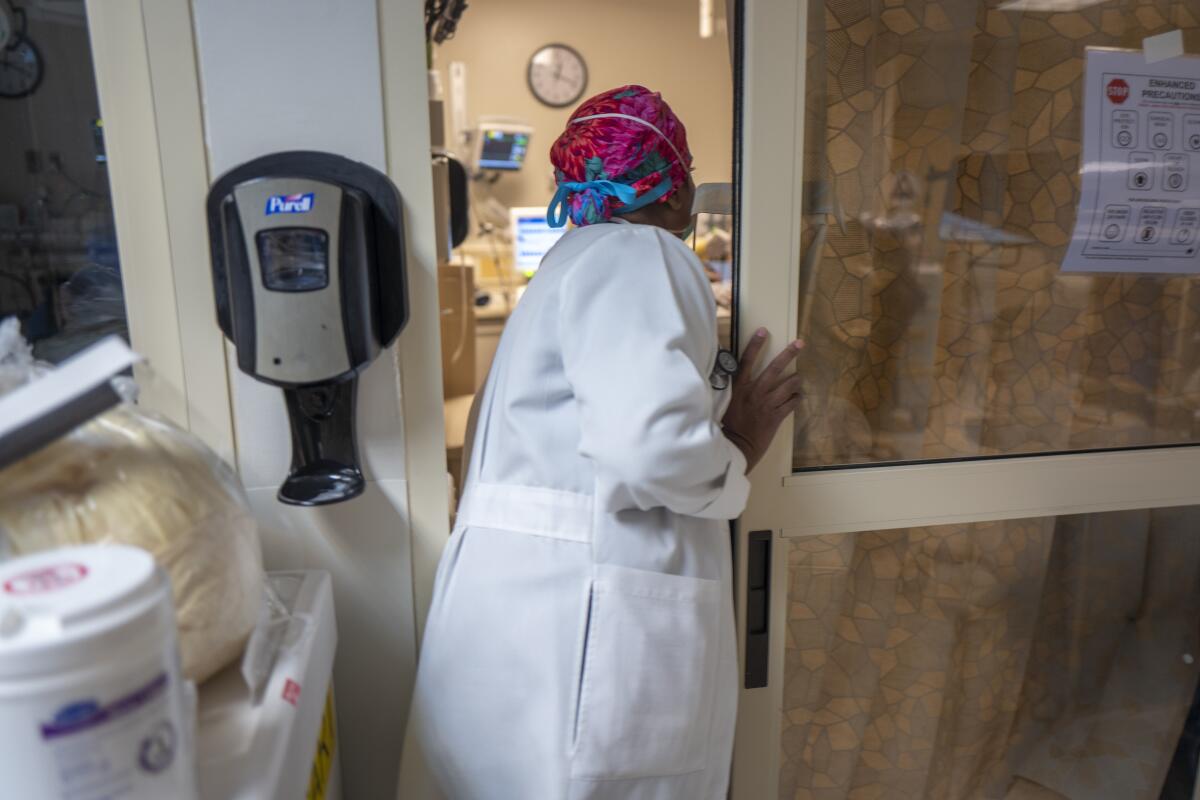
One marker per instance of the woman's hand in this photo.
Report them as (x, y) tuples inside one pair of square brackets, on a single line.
[(760, 404)]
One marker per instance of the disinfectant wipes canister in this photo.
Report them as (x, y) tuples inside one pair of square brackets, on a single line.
[(92, 704)]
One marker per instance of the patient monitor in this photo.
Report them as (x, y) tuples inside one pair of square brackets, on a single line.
[(501, 145), (532, 237)]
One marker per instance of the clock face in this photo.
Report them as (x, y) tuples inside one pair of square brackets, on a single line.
[(20, 69), (557, 75)]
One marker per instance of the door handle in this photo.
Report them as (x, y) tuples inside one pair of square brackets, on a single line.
[(758, 609)]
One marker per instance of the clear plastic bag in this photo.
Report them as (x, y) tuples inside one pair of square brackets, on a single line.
[(93, 308), (16, 357), (127, 476)]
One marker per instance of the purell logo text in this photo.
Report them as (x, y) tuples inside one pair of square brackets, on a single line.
[(289, 203)]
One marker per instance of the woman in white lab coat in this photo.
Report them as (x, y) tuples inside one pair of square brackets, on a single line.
[(581, 639)]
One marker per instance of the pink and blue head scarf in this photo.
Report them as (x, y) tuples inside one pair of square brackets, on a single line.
[(622, 150)]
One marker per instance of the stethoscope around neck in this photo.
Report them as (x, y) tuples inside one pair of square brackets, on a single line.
[(723, 371)]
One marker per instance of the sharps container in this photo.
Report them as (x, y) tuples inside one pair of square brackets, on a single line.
[(92, 704)]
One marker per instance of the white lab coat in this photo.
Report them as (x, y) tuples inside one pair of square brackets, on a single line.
[(580, 642)]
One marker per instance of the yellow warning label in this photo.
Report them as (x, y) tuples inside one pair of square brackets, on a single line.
[(322, 767)]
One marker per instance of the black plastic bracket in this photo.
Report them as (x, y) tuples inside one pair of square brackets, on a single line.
[(758, 609)]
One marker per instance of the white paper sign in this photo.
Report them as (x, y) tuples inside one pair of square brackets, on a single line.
[(1139, 205)]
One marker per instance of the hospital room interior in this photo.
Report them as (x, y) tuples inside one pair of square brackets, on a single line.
[(272, 275)]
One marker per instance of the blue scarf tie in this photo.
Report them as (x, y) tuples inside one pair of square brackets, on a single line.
[(556, 213)]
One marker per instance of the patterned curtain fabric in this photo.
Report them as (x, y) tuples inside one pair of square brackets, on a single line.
[(942, 162), (1023, 659)]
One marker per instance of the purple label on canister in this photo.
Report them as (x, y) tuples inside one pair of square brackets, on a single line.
[(84, 715)]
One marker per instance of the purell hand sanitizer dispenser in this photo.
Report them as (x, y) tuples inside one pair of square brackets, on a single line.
[(308, 267)]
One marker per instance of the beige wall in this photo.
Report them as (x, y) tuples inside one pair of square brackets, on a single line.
[(652, 42)]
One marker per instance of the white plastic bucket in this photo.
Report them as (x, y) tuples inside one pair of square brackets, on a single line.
[(92, 703)]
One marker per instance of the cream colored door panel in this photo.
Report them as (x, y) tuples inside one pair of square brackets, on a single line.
[(772, 81)]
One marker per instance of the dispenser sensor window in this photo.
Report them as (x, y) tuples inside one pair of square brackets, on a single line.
[(293, 259)]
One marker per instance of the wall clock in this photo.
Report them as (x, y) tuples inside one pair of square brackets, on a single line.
[(557, 75), (20, 68)]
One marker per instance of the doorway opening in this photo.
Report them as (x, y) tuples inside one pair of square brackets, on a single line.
[(504, 85)]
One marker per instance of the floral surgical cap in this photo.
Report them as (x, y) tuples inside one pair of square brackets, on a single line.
[(622, 149)]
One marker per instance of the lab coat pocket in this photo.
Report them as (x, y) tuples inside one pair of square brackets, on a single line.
[(646, 693)]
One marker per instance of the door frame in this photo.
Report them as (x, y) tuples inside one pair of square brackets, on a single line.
[(144, 56), (145, 61), (843, 500)]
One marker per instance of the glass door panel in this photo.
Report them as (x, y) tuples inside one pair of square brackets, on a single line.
[(942, 144), (59, 272), (1019, 628), (1028, 659)]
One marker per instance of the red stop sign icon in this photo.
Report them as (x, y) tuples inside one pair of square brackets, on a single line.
[(1117, 91)]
